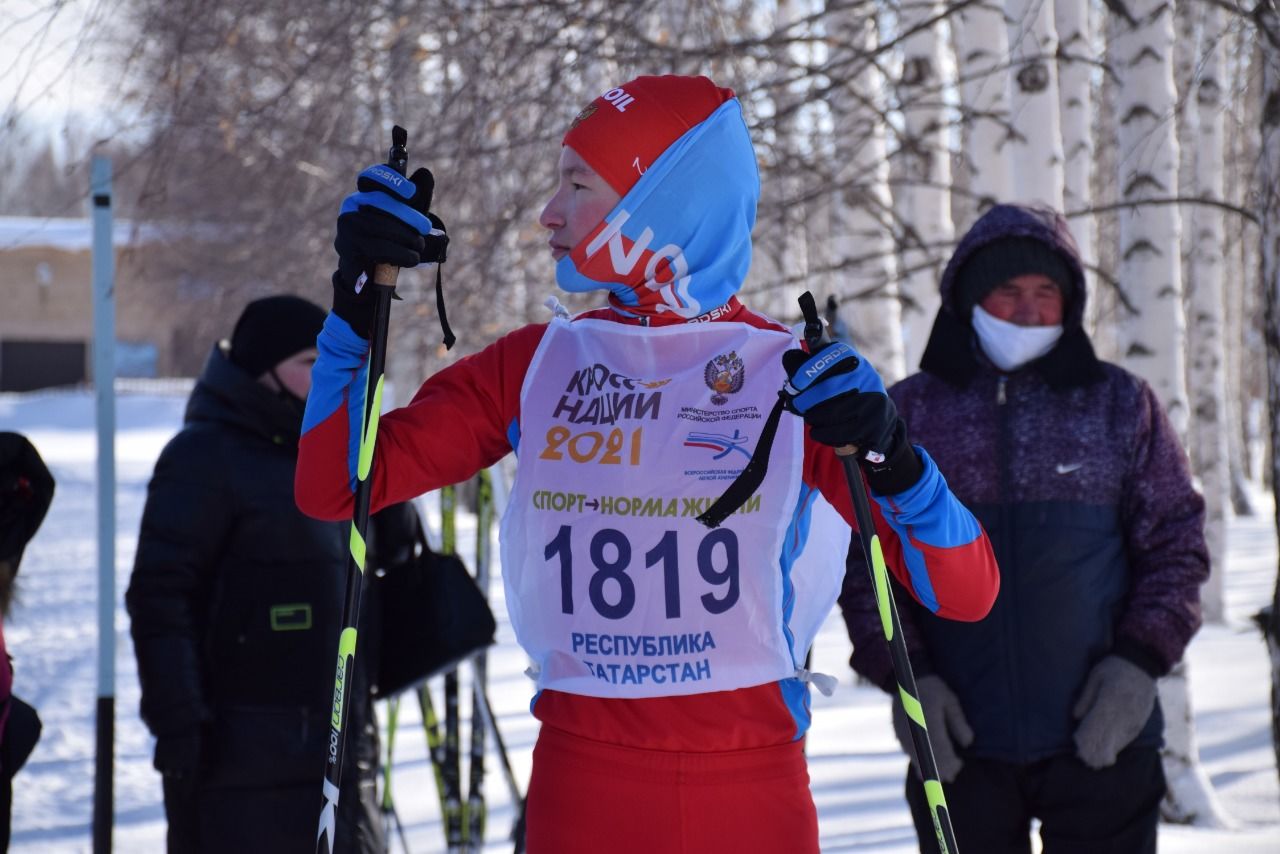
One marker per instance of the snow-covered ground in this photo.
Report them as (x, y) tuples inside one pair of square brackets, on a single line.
[(855, 763)]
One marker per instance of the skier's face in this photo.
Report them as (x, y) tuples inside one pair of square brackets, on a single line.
[(293, 374), (1029, 300), (578, 206)]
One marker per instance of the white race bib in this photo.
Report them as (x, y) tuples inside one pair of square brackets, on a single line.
[(627, 434)]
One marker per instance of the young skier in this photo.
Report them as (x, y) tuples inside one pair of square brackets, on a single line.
[(668, 657)]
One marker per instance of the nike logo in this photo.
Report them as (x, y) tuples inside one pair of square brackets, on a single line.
[(1067, 468)]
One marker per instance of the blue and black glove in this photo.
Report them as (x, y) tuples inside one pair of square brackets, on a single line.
[(388, 221), (843, 400)]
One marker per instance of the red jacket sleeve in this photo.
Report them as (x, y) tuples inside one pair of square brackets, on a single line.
[(932, 543), (462, 419)]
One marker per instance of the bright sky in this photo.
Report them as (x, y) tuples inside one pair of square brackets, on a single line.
[(54, 62)]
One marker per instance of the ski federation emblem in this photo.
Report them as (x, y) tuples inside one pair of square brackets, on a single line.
[(724, 375), (719, 442)]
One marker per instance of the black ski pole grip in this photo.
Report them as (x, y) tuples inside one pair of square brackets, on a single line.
[(398, 159), (815, 336)]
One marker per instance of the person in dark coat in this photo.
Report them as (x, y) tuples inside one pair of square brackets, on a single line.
[(236, 603), (1047, 708), (26, 490)]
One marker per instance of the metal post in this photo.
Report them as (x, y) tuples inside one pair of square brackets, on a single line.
[(104, 372)]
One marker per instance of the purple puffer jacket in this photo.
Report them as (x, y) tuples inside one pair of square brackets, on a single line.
[(1079, 480)]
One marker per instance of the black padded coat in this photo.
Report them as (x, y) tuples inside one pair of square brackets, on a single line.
[(235, 605)]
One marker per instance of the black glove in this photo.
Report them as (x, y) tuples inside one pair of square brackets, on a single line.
[(180, 754), (387, 222), (843, 400)]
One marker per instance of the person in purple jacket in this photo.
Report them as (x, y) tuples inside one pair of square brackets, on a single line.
[(1047, 708)]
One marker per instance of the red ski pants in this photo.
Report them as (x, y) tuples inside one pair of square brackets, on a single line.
[(587, 797)]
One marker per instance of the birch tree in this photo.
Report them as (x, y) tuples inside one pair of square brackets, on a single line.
[(1246, 373), (921, 173), (1205, 300), (1075, 108), (1268, 20), (780, 267), (982, 48), (1035, 133), (860, 244), (1102, 313), (1140, 52)]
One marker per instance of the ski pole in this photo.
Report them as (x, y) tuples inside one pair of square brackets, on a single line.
[(874, 555), (454, 824), (517, 830), (390, 818), (435, 745), (498, 491), (475, 807), (384, 285)]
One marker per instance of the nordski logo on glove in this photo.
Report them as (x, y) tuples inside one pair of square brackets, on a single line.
[(836, 353), (389, 175)]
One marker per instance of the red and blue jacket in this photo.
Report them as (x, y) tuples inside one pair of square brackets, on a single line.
[(467, 417), (664, 261)]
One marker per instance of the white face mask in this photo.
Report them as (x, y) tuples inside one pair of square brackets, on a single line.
[(1010, 346)]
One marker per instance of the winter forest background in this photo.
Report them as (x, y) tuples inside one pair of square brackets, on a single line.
[(882, 129)]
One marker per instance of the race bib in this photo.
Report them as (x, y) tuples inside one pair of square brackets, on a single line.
[(627, 434)]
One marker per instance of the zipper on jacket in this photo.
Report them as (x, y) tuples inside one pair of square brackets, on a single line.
[(1000, 397)]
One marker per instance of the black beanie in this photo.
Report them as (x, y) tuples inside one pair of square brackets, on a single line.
[(999, 261), (271, 330)]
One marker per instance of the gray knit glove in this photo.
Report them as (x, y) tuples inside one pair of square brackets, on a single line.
[(947, 726), (1113, 707)]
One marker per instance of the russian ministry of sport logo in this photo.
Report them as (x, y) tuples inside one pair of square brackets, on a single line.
[(720, 443), (724, 375)]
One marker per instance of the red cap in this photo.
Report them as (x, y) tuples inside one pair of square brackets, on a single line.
[(621, 133)]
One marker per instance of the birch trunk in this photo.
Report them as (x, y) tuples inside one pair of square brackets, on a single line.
[(1190, 798), (1102, 315), (921, 174), (1035, 140), (981, 47), (779, 266), (1205, 300), (1149, 269), (860, 246), (1248, 388), (1268, 185), (1075, 108), (1141, 53)]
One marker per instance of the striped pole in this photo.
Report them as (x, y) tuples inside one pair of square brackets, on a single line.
[(384, 285)]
